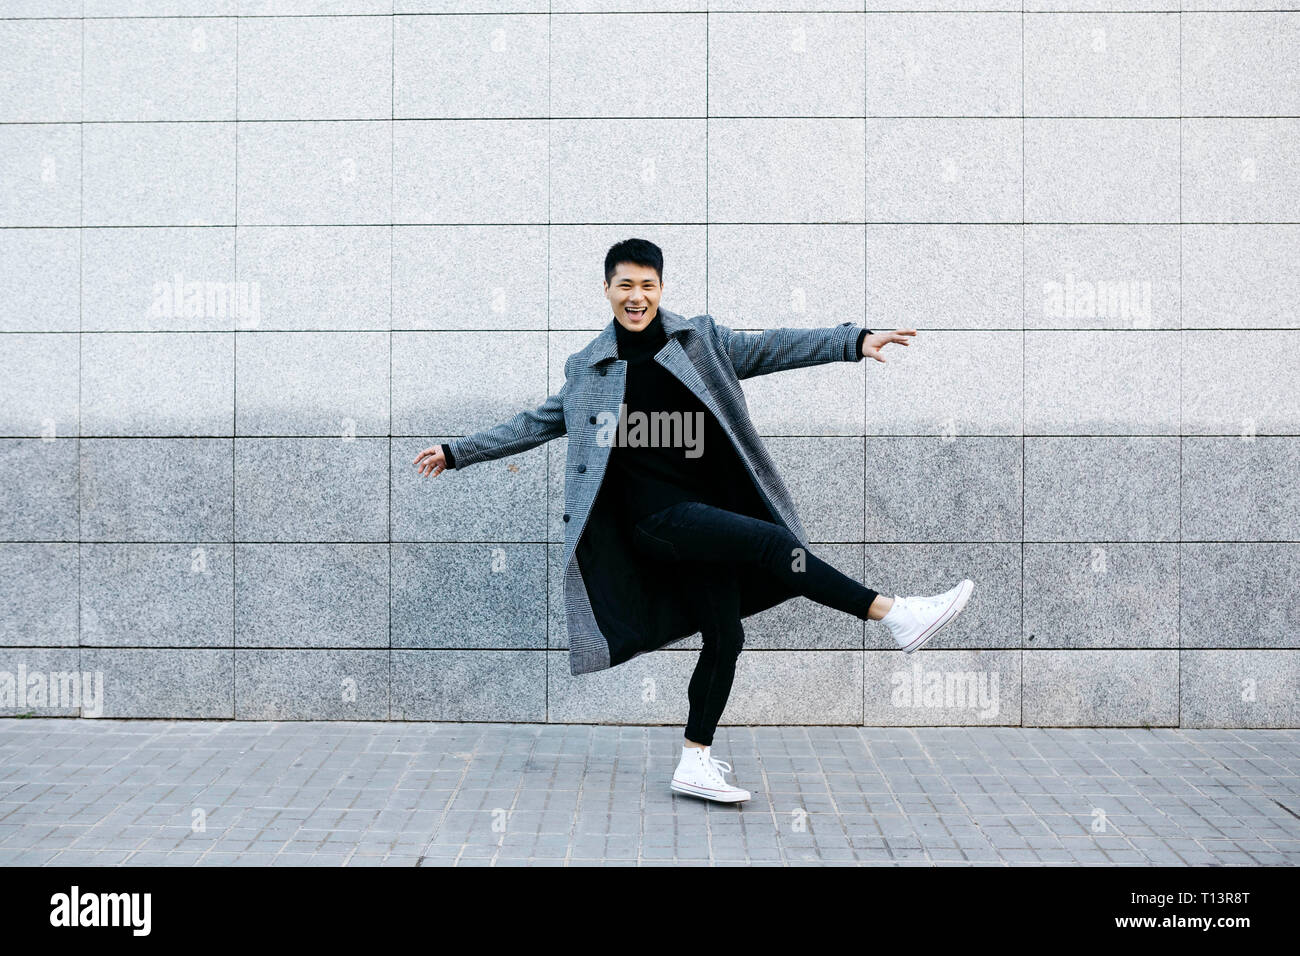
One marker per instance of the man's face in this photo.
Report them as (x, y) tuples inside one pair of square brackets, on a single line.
[(634, 293)]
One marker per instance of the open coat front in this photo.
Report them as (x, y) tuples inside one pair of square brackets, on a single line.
[(619, 603)]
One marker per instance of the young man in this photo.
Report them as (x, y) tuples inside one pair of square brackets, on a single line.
[(676, 521)]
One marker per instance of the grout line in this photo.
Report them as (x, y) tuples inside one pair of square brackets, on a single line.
[(81, 310), (1178, 669), (967, 11), (546, 514), (915, 223), (392, 193), (234, 420), (1023, 345), (612, 118)]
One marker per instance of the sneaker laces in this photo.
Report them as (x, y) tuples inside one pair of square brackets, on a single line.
[(714, 766)]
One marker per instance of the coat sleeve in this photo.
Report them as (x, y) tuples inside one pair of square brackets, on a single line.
[(776, 350), (526, 430)]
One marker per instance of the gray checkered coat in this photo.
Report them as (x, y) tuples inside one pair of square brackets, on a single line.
[(616, 604)]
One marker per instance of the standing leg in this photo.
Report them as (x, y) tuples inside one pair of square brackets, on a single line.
[(724, 637)]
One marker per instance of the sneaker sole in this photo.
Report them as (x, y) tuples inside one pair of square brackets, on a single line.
[(713, 795), (950, 612)]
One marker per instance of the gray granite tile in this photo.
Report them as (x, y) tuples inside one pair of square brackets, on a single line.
[(1111, 276), (1070, 164), (1239, 688), (336, 173), (1217, 505), (1239, 170), (942, 688), (938, 170), (469, 685), (311, 684), (311, 595), (159, 174), (157, 383), (170, 683), (486, 595), (318, 277), (38, 606), (1134, 392), (502, 499), (945, 64), (1071, 688), (1239, 595), (162, 279), (38, 286), (482, 66), (951, 275), (1101, 488), (941, 476), (450, 172), (43, 59), (1135, 72), (170, 595), (337, 489), (1109, 595), (313, 383), (151, 489), (46, 193), (757, 65), (38, 384), (289, 67), (159, 68), (1235, 275)]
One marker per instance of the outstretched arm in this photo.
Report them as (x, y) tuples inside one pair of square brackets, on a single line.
[(776, 350), (526, 430)]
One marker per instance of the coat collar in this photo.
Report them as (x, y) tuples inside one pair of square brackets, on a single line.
[(605, 345)]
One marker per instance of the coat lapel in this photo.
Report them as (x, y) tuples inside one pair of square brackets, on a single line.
[(672, 357), (605, 345)]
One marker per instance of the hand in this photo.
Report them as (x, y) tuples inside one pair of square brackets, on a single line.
[(431, 461), (873, 343)]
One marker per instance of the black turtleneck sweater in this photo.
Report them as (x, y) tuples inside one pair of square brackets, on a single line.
[(649, 477)]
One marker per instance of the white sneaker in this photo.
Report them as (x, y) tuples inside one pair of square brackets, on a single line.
[(914, 620), (700, 775)]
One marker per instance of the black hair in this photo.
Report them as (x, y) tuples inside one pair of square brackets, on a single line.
[(642, 252)]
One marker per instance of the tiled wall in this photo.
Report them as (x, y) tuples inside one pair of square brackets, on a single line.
[(1089, 210)]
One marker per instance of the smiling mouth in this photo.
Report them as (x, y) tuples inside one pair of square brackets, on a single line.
[(636, 312)]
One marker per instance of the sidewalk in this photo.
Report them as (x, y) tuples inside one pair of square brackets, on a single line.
[(108, 792)]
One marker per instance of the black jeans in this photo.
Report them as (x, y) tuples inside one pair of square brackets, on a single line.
[(718, 543)]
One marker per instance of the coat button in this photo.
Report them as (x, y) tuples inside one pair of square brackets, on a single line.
[(592, 419), (581, 469), (566, 517), (602, 372)]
